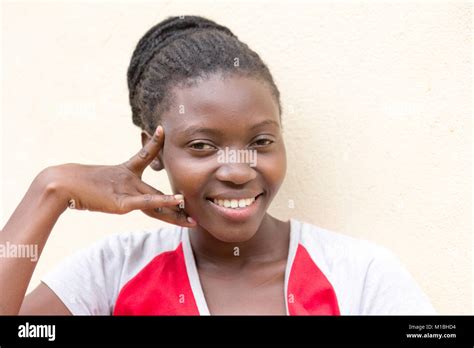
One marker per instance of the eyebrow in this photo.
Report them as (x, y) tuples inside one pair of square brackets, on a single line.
[(192, 130), (264, 123)]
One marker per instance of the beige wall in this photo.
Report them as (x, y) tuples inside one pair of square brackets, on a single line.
[(377, 117)]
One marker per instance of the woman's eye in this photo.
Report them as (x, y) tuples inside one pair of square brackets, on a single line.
[(263, 142), (202, 146)]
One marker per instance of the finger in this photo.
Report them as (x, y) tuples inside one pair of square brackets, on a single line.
[(144, 188), (148, 153), (127, 203), (171, 216)]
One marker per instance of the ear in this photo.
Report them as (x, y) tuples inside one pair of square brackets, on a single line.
[(156, 164)]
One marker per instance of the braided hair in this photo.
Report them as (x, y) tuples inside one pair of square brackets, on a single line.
[(178, 52)]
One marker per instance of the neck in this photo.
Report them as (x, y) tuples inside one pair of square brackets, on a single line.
[(269, 244)]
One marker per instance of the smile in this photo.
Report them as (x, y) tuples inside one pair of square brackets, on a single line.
[(234, 203), (237, 209)]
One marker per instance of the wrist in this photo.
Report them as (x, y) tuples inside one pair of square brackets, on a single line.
[(53, 185)]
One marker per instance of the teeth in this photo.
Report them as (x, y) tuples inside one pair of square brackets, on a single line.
[(234, 203)]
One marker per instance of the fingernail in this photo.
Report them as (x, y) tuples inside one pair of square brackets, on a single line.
[(191, 220), (179, 197), (158, 131)]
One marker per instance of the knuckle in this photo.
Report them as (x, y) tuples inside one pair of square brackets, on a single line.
[(143, 154), (122, 206), (166, 198), (147, 198)]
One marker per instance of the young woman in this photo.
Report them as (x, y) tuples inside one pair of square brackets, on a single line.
[(195, 90)]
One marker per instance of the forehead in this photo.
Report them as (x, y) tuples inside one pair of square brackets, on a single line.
[(221, 101)]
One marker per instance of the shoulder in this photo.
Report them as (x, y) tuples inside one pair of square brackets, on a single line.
[(144, 242), (367, 278), (88, 282), (129, 249), (332, 248), (126, 254), (338, 254)]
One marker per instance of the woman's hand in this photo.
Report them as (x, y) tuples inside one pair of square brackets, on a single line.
[(119, 189), (110, 189)]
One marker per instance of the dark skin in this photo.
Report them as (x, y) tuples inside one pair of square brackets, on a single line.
[(239, 113)]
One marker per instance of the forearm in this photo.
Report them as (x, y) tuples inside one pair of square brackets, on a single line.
[(28, 227)]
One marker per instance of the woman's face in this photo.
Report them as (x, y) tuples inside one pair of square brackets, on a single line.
[(223, 142)]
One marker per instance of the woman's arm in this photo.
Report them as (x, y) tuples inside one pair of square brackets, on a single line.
[(30, 225)]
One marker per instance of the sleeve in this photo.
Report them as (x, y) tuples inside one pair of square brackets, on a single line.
[(88, 281), (389, 289)]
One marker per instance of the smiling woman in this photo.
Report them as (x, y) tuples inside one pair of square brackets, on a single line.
[(231, 107), (195, 90)]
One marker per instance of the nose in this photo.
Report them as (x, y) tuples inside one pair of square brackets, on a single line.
[(236, 173)]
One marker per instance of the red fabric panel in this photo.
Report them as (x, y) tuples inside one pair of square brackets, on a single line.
[(309, 291), (162, 287)]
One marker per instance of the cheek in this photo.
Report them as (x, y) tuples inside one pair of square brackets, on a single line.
[(181, 177), (273, 168), (186, 177)]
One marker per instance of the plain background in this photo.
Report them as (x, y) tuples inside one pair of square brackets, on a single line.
[(377, 118)]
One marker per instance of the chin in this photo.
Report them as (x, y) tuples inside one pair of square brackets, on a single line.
[(232, 234), (233, 237)]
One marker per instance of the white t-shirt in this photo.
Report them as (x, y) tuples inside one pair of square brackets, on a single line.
[(154, 273)]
